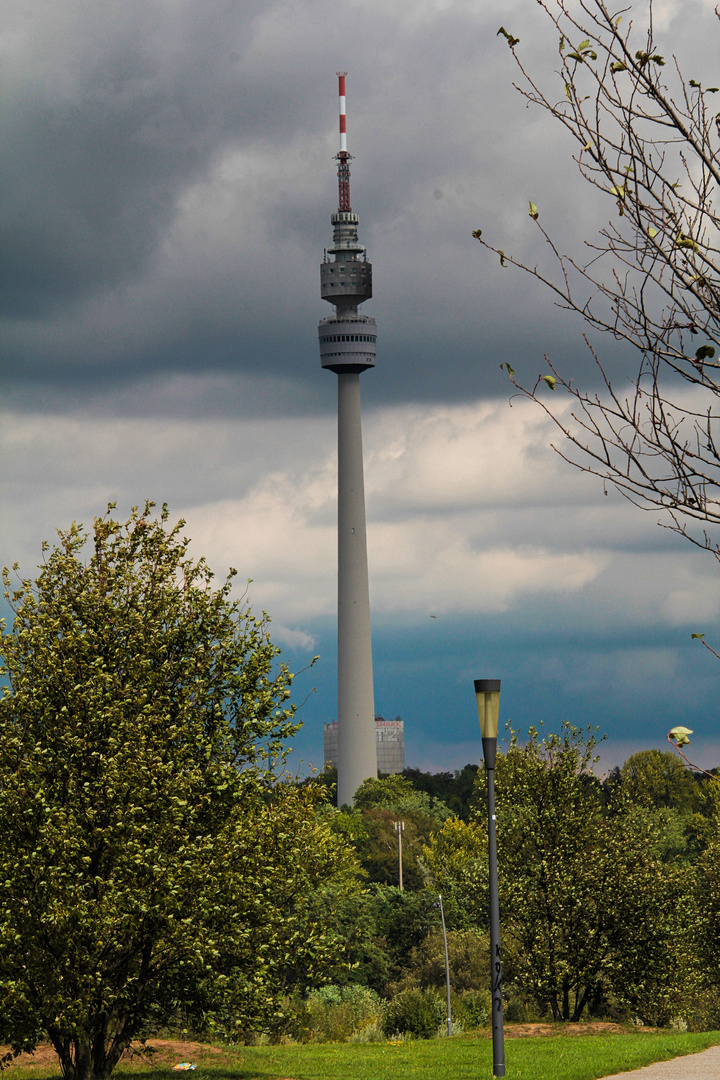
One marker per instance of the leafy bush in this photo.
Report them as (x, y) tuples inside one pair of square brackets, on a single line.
[(337, 1013), (415, 1012), (370, 1034), (472, 1009), (469, 955)]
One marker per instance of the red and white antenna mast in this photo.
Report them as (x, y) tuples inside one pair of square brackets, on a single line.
[(343, 158)]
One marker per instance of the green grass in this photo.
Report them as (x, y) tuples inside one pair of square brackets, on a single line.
[(577, 1057)]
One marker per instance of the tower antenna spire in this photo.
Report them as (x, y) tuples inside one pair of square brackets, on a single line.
[(342, 157)]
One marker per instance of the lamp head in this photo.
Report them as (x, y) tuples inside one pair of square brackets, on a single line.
[(487, 692)]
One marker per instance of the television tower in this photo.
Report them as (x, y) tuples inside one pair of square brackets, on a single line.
[(347, 347)]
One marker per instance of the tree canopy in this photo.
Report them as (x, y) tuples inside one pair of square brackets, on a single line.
[(151, 863)]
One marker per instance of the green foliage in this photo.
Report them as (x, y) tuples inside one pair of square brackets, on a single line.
[(468, 955), (337, 1013), (414, 1012), (588, 903), (658, 778), (457, 862), (383, 801), (149, 865), (472, 1008), (402, 922), (454, 790), (398, 794), (363, 954)]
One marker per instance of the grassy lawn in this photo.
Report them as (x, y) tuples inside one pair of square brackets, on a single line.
[(577, 1057)]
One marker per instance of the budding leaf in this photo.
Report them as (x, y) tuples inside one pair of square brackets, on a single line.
[(477, 234), (567, 92), (512, 41), (533, 211), (502, 257), (699, 636), (550, 380), (705, 352), (686, 242), (680, 735), (652, 232), (510, 370), (621, 190), (618, 66)]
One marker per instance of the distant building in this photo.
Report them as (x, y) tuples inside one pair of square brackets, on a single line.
[(389, 744)]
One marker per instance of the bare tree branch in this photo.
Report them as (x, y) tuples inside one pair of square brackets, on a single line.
[(648, 140)]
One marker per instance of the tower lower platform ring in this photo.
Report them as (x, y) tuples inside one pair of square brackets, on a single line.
[(347, 344)]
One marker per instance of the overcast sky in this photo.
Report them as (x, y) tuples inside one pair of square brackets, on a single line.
[(167, 184)]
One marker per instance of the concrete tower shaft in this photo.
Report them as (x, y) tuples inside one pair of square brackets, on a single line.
[(357, 752), (347, 347)]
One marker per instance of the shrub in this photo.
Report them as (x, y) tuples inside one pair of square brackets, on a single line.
[(469, 955), (335, 1013), (473, 1008), (415, 1012)]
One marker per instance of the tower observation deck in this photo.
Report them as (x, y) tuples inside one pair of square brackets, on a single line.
[(347, 347), (347, 339)]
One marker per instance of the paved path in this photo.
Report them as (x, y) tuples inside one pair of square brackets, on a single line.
[(703, 1066)]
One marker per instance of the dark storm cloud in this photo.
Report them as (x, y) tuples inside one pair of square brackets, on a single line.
[(169, 179), (115, 112), (137, 101)]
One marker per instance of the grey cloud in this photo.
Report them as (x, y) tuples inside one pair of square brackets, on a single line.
[(169, 185)]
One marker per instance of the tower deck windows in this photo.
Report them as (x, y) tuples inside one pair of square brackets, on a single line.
[(347, 344)]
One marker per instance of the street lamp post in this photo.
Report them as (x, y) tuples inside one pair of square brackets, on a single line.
[(487, 692), (400, 829), (447, 967)]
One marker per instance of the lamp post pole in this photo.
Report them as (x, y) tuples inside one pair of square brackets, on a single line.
[(447, 967), (487, 692), (400, 829)]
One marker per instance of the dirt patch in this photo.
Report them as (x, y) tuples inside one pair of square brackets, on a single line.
[(592, 1027), (166, 1052)]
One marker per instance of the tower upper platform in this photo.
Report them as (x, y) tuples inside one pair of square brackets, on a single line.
[(346, 278)]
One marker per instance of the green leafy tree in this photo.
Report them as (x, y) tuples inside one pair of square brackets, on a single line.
[(402, 922), (397, 793), (469, 958), (587, 905), (657, 783), (657, 778), (151, 865), (382, 802), (457, 863), (708, 903), (455, 790)]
